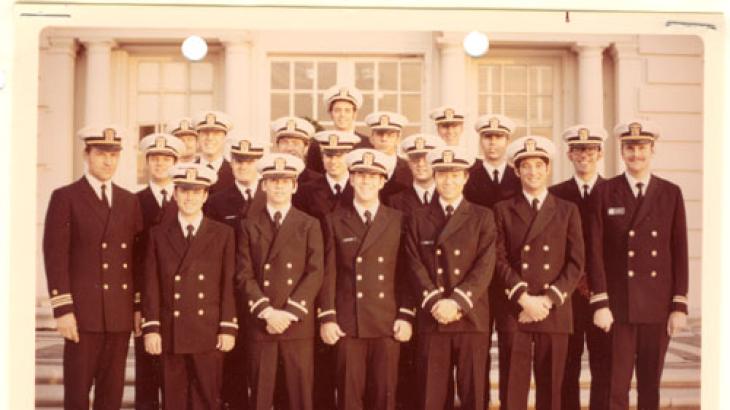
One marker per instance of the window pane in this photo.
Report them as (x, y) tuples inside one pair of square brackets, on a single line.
[(303, 105), (148, 77), (279, 105), (411, 107), (541, 111), (367, 107), (148, 106), (490, 104), (174, 105), (515, 107), (303, 75), (515, 79), (489, 78), (542, 131), (280, 75), (201, 77), (364, 76), (410, 130), (388, 76), (326, 75), (174, 77), (388, 102), (200, 102), (410, 76), (541, 80), (322, 113)]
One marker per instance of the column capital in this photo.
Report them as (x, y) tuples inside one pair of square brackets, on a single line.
[(60, 45), (234, 40), (625, 50), (97, 43), (449, 39), (588, 48)]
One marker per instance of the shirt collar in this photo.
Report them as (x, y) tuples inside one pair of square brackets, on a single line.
[(392, 170), (580, 182), (455, 204), (540, 198), (253, 186), (343, 182), (184, 223), (490, 169), (217, 163), (157, 191), (272, 211), (420, 191), (633, 181), (96, 186), (361, 210)]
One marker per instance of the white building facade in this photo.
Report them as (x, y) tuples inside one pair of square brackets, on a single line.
[(139, 80)]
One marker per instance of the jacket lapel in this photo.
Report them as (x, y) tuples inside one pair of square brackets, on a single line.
[(200, 242), (543, 217), (643, 211), (381, 221), (285, 234), (460, 216), (352, 221), (175, 237), (87, 192), (522, 209)]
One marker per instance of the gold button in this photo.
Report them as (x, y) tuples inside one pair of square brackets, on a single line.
[(457, 252), (358, 259), (381, 295), (200, 312), (654, 233), (54, 292), (201, 295), (359, 277), (235, 320), (438, 251), (359, 295), (289, 282), (631, 254), (124, 245), (526, 248), (176, 313), (380, 259), (177, 295), (546, 286), (103, 245), (250, 302), (201, 277), (267, 267), (441, 288), (106, 286), (303, 302), (653, 274), (631, 274), (546, 266), (124, 265), (632, 233), (654, 253), (381, 277), (439, 271), (266, 283), (468, 293), (177, 278), (457, 271), (288, 265), (425, 293), (546, 248), (525, 265), (105, 265), (124, 286)]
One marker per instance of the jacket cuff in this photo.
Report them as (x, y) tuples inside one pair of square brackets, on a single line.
[(150, 326), (555, 295), (297, 308), (463, 299), (406, 314), (599, 300), (326, 316), (680, 304), (62, 304), (516, 291), (137, 301), (257, 306), (430, 297), (228, 328)]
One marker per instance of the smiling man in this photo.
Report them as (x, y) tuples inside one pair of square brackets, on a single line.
[(293, 136), (184, 129), (638, 266), (386, 128), (449, 124), (212, 128), (88, 241)]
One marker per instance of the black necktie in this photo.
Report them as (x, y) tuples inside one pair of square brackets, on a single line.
[(535, 203), (368, 218), (338, 189), (425, 197), (449, 211), (639, 187), (277, 220), (248, 194), (190, 230), (495, 176), (104, 198), (164, 197), (585, 191), (210, 166)]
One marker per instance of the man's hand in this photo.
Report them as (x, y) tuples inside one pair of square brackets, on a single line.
[(137, 324), (402, 330), (603, 319), (534, 308), (225, 342), (330, 332), (153, 343), (445, 311), (277, 321), (67, 327), (676, 323)]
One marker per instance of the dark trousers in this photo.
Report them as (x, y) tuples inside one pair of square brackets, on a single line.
[(546, 352), (276, 363), (643, 346), (235, 376), (585, 333), (192, 381), (437, 354), (504, 347), (98, 359), (367, 373), (324, 374), (407, 393), (147, 378)]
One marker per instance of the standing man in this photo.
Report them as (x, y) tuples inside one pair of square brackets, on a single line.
[(212, 127), (386, 128), (331, 190), (585, 150), (449, 124), (292, 136), (189, 312), (161, 152), (638, 266), (450, 255), (184, 129), (365, 306), (423, 190), (342, 102), (88, 243), (540, 259), (491, 181), (280, 260)]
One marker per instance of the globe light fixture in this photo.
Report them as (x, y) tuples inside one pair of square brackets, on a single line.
[(476, 44), (194, 48)]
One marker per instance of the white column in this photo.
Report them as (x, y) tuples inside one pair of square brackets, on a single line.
[(590, 86), (55, 136), (98, 80), (453, 82), (628, 71), (238, 89)]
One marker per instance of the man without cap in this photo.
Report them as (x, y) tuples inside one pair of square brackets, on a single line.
[(449, 124), (386, 128), (161, 153), (184, 129), (189, 313), (638, 266), (366, 308), (585, 150), (88, 242), (342, 102), (280, 260), (450, 255), (292, 135), (491, 180), (212, 127), (539, 262)]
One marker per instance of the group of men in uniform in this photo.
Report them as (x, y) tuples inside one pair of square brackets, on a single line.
[(333, 272)]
